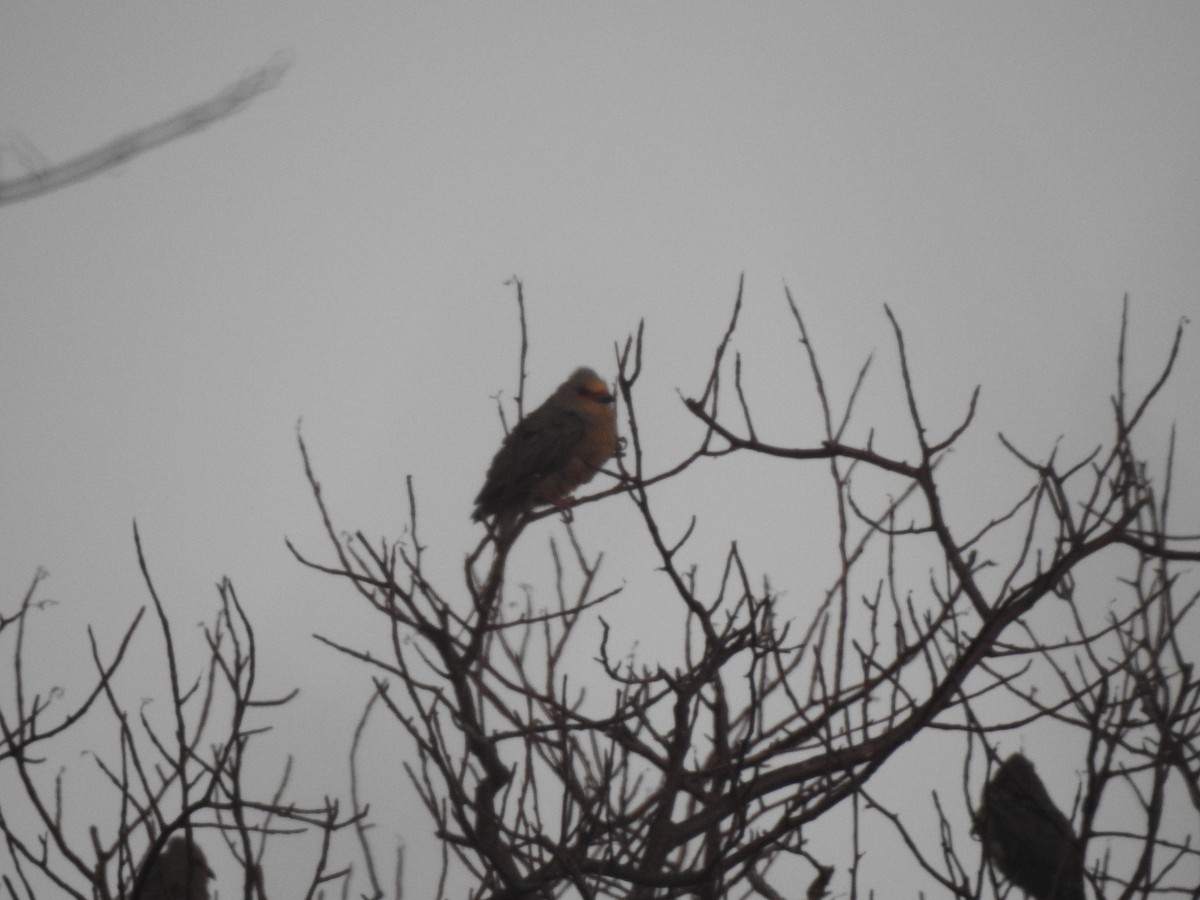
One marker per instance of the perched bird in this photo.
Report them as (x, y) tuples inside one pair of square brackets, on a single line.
[(1026, 837), (552, 451), (177, 874)]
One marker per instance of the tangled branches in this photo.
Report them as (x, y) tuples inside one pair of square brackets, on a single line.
[(634, 778)]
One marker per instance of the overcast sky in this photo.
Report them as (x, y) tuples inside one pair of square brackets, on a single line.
[(999, 174)]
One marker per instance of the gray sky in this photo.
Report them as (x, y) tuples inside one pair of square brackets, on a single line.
[(999, 174)]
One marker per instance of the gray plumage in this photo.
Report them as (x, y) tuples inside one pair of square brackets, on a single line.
[(1026, 837)]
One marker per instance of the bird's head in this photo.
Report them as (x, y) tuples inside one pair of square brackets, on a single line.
[(182, 858), (586, 388)]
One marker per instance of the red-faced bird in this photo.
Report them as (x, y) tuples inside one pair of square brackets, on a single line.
[(550, 452)]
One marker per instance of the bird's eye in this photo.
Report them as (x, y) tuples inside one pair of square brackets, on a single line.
[(597, 394)]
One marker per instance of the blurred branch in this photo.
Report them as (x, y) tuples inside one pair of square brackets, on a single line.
[(135, 143)]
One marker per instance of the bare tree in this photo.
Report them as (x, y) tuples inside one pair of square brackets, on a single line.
[(167, 785), (552, 761), (167, 782), (697, 780)]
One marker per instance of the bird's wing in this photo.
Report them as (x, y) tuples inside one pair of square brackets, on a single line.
[(541, 444)]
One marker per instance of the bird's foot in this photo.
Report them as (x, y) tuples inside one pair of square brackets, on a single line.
[(563, 505)]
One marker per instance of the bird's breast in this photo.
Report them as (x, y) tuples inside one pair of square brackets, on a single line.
[(594, 449)]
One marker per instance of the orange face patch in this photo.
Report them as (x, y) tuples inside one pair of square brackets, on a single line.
[(596, 391)]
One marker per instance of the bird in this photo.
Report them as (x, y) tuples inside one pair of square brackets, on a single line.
[(177, 874), (1026, 836), (553, 450)]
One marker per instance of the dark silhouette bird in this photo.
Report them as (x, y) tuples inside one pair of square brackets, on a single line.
[(550, 452), (177, 874), (1026, 837)]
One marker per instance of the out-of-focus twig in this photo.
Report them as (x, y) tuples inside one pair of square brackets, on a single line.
[(137, 142)]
